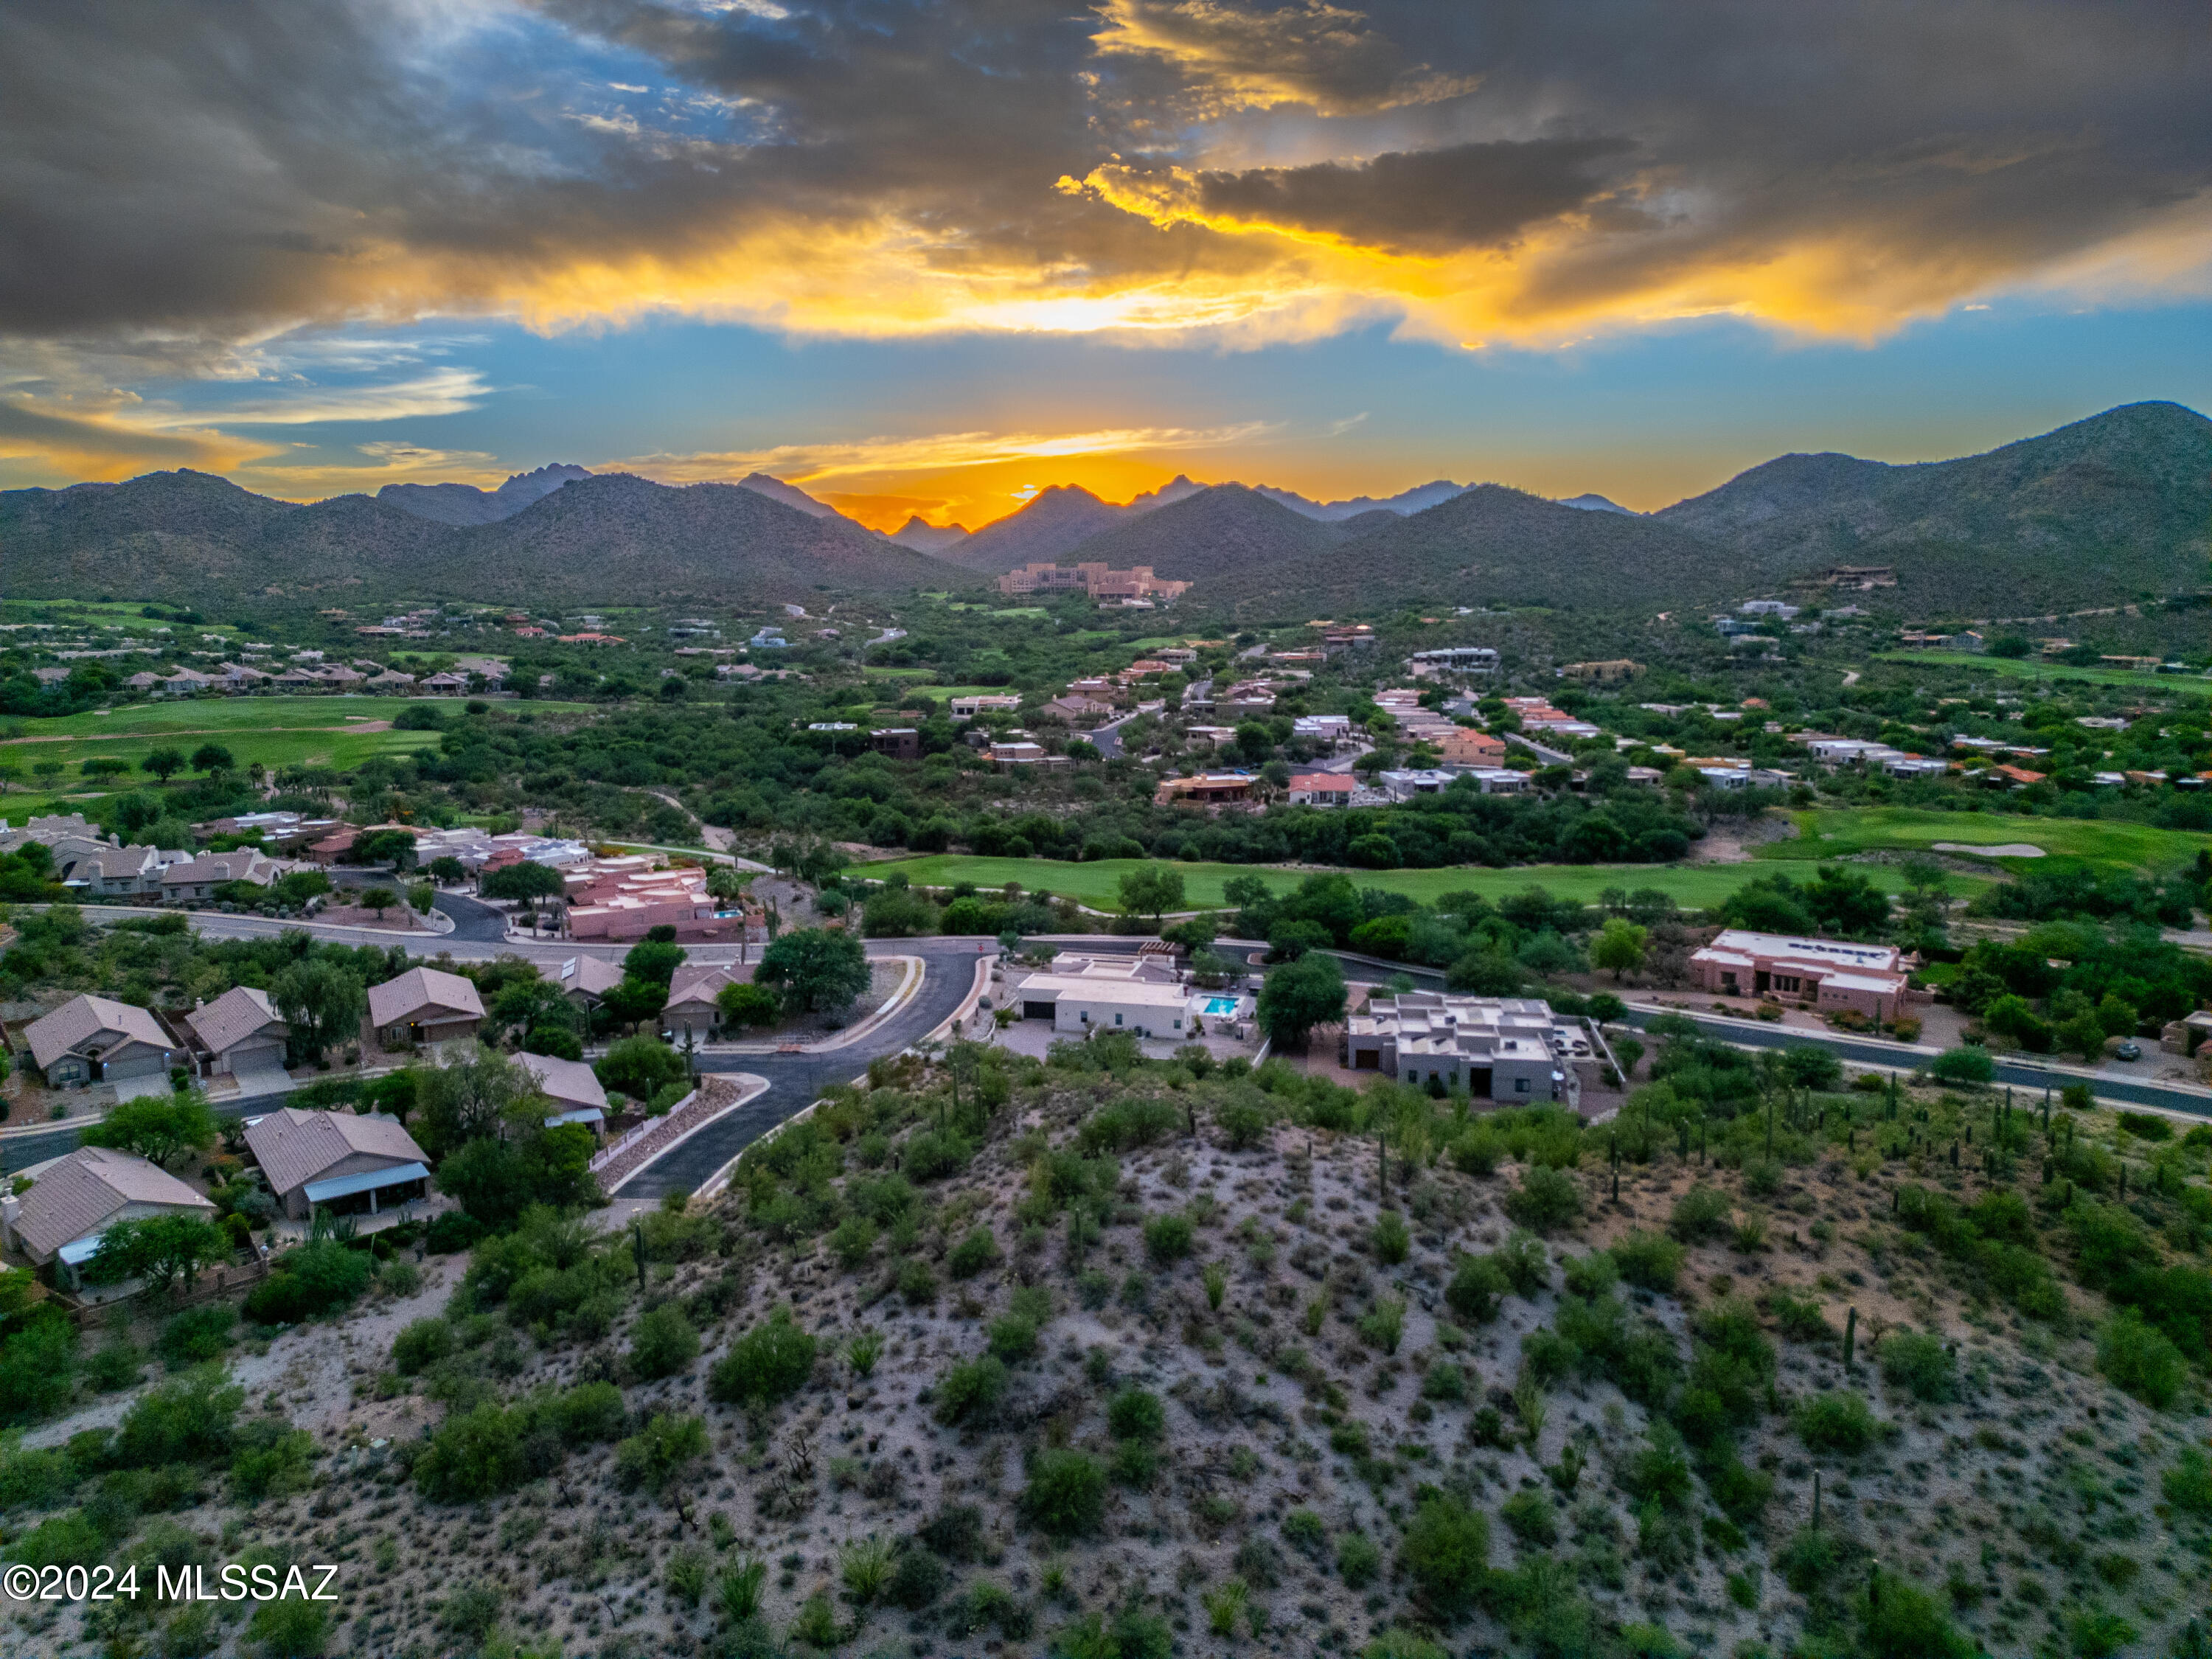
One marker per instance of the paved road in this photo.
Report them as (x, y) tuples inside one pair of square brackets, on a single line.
[(795, 1081), (1885, 1056)]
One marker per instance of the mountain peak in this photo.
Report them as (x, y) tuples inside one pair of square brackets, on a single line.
[(790, 495), (460, 503), (1591, 502)]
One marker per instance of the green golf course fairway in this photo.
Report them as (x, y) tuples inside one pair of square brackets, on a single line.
[(2034, 668), (1693, 886), (2101, 843)]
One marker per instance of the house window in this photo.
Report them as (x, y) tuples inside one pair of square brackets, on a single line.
[(1520, 1086), (1117, 1019)]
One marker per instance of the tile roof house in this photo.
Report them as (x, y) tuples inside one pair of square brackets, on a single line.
[(422, 1006), (239, 1032), (332, 1158), (199, 877), (1321, 789), (691, 1009), (103, 868), (572, 1088), (91, 1039), (76, 1199), (586, 979)]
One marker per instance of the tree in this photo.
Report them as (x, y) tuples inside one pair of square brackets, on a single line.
[(392, 847), (445, 870), (321, 1001), (656, 960), (640, 1067), (158, 1128), (819, 969), (163, 763), (522, 881), (102, 766), (162, 1249), (469, 1099), (378, 898), (213, 757), (725, 882), (741, 1004), (1619, 947), (1152, 889), (633, 1001), (1966, 1065), (1299, 996)]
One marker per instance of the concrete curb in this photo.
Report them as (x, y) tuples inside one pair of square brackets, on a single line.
[(750, 1087), (910, 987)]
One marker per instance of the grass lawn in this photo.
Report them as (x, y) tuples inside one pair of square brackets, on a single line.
[(2031, 668), (1097, 884), (320, 732), (1837, 832)]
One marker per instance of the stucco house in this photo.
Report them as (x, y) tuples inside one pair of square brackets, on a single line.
[(92, 1039), (691, 1009), (75, 1200), (239, 1034), (570, 1086), (347, 1161), (421, 1005)]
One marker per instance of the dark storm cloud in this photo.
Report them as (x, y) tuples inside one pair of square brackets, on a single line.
[(188, 172), (1463, 196)]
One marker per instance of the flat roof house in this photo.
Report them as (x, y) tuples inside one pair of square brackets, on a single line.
[(421, 1005), (348, 1162), (1827, 973), (237, 1035), (94, 1040), (570, 1086), (1081, 994), (75, 1200), (1206, 789), (1508, 1049)]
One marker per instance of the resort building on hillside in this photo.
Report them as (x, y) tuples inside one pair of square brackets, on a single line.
[(1613, 672), (967, 708), (1512, 1049), (1829, 975), (1455, 659), (1095, 579)]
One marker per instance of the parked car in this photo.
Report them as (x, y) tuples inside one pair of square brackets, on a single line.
[(2129, 1050)]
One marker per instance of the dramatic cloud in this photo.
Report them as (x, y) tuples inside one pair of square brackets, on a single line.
[(101, 447), (806, 464), (183, 181)]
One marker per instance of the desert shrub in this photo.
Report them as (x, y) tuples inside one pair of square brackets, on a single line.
[(955, 1533), (1797, 1318), (1391, 1239), (1305, 1532), (969, 1390), (1168, 1238), (1904, 1622), (1527, 1268), (35, 1479), (1013, 1337), (1446, 1554), (189, 1420), (1920, 1363), (1700, 1214), (1591, 1275), (1480, 1150), (272, 1460), (915, 1282), (1477, 1288), (770, 1362), (1066, 1493), (662, 1453), (2187, 1484), (474, 1455), (1529, 1516), (1357, 1559), (932, 1154), (851, 1240), (1136, 1414), (289, 1629), (313, 1278), (197, 1335), (1838, 1422), (662, 1344), (1650, 1261), (2140, 1359), (917, 1579), (1545, 1200), (976, 1250), (1127, 1125), (1444, 1381)]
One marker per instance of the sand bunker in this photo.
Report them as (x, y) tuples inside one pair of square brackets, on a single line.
[(2006, 849)]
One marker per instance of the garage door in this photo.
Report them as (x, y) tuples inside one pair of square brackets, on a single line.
[(1036, 1011)]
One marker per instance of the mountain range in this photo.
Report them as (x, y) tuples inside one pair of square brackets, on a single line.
[(2105, 510)]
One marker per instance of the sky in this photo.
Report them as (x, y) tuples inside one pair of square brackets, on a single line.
[(929, 257)]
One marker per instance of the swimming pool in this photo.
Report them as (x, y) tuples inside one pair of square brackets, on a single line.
[(1221, 1005)]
